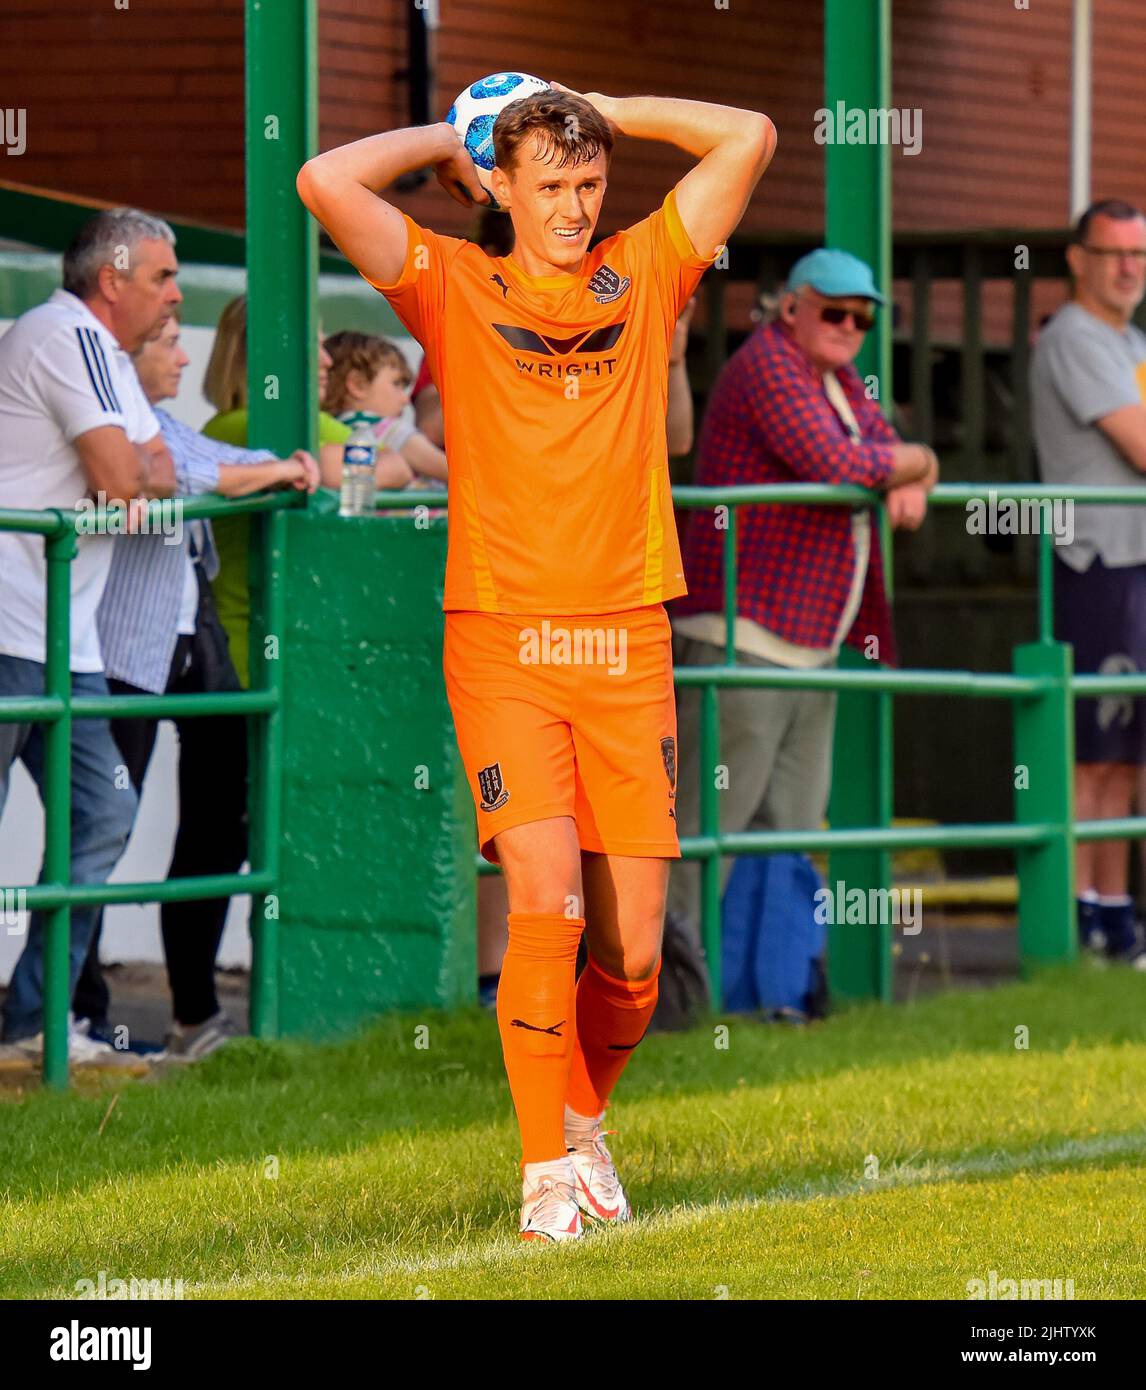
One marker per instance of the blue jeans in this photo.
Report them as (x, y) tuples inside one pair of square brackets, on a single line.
[(102, 816)]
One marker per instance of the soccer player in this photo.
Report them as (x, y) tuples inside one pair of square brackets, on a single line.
[(553, 369)]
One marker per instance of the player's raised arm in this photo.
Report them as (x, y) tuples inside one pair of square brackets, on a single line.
[(341, 189), (734, 147)]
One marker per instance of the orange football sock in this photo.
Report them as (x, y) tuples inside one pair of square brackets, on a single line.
[(612, 1016), (536, 1011)]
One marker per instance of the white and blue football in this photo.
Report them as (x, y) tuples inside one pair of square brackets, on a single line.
[(473, 113)]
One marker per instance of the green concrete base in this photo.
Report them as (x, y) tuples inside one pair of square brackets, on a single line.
[(378, 884)]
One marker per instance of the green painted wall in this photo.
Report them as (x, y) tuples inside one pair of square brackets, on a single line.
[(378, 896)]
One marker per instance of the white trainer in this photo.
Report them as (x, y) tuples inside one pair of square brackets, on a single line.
[(549, 1208), (82, 1049), (599, 1191)]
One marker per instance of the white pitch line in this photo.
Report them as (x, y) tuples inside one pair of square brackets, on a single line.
[(508, 1247)]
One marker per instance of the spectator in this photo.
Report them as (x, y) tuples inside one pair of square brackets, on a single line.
[(1088, 398), (789, 407), (159, 633), (225, 386), (368, 374), (74, 424), (427, 405)]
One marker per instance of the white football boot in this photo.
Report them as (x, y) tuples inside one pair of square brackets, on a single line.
[(599, 1189), (550, 1210)]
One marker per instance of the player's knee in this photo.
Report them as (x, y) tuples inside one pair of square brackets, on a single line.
[(631, 963)]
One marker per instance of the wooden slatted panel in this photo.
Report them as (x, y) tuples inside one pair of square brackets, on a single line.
[(993, 84)]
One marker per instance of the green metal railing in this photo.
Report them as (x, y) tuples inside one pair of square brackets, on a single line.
[(1041, 688), (56, 895)]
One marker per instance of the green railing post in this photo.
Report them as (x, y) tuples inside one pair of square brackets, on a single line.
[(282, 328), (710, 829), (1044, 792), (59, 550), (859, 957), (857, 191)]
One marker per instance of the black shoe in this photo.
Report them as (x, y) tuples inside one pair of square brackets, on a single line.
[(1090, 934), (1119, 927)]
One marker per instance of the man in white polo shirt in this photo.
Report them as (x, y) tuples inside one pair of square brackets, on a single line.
[(74, 423)]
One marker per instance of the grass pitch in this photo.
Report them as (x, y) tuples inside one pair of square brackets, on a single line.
[(895, 1152)]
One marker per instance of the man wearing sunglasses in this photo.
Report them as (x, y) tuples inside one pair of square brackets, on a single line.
[(789, 407), (1088, 402)]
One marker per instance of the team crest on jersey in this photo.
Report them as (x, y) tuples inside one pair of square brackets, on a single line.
[(491, 784), (668, 757), (606, 285)]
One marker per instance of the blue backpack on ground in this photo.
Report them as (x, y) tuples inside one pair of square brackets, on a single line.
[(772, 946)]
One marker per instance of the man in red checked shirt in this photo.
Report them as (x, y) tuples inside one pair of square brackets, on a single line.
[(789, 407)]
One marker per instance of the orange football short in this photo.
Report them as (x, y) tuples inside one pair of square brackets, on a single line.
[(568, 716)]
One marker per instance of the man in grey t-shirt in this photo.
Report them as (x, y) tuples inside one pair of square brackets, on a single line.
[(1088, 385)]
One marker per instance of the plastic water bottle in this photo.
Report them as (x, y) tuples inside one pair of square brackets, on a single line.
[(356, 497)]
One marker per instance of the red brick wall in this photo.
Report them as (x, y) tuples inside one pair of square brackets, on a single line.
[(144, 105), (141, 106)]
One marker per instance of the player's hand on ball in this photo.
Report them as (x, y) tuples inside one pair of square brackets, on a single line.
[(458, 177), (603, 104)]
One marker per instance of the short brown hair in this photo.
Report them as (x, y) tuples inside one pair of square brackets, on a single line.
[(358, 352), (568, 125), (1118, 209)]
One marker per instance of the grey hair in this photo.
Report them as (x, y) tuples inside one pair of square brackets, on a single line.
[(109, 238), (767, 305)]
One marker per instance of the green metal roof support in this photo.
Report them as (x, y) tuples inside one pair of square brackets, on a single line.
[(857, 73), (282, 329)]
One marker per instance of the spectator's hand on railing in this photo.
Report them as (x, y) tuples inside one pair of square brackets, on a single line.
[(158, 469), (309, 479), (907, 506)]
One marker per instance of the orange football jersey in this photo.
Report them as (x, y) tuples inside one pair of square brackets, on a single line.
[(554, 391)]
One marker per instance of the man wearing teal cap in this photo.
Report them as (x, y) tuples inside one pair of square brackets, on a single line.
[(835, 275), (789, 407)]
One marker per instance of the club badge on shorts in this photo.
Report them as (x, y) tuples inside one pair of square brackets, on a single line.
[(668, 757), (491, 784)]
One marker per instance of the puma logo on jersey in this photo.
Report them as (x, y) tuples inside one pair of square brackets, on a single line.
[(500, 283)]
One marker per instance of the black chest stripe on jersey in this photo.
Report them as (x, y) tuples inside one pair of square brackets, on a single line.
[(526, 340)]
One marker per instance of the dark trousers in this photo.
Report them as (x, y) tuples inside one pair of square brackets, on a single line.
[(212, 834)]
